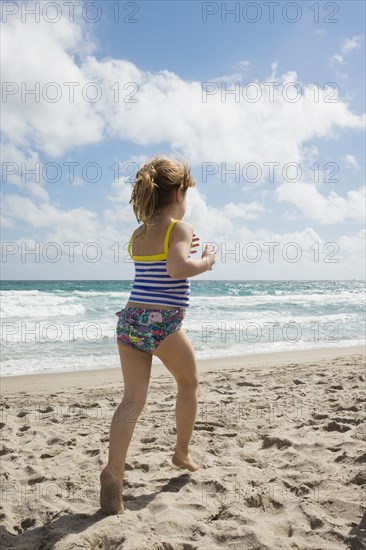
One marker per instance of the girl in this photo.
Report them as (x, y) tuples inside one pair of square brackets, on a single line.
[(150, 324)]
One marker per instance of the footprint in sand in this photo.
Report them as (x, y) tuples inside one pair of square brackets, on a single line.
[(46, 410), (24, 428), (93, 452), (351, 408), (54, 440), (354, 421), (203, 426), (336, 427), (361, 459), (138, 466), (36, 479), (320, 416), (275, 441), (133, 484), (6, 450), (25, 524), (154, 448), (148, 439), (255, 463), (342, 457), (315, 522), (334, 449), (359, 479), (249, 384)]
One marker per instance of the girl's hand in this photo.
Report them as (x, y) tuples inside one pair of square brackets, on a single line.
[(195, 243), (210, 257)]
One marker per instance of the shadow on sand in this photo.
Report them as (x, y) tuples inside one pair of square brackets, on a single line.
[(47, 535)]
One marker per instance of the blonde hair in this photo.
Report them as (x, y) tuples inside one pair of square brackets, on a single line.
[(155, 184)]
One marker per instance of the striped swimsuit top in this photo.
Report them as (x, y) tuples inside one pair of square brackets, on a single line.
[(152, 283)]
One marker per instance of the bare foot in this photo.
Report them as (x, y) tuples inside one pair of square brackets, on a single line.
[(184, 462), (110, 492)]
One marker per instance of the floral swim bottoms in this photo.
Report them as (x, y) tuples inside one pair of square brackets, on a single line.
[(145, 328)]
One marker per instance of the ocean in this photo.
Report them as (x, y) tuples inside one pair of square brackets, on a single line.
[(59, 326)]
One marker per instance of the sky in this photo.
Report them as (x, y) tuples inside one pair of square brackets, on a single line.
[(264, 99)]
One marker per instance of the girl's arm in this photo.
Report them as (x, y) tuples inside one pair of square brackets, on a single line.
[(178, 265)]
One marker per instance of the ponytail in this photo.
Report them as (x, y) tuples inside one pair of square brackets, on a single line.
[(154, 186), (144, 195)]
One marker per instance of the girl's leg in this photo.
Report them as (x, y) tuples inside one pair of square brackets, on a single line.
[(177, 354), (136, 369)]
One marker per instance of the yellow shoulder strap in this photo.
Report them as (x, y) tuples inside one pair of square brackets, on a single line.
[(167, 235)]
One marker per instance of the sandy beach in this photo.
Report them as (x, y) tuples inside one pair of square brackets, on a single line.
[(279, 438)]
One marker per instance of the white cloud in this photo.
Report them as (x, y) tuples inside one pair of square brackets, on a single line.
[(123, 188), (353, 246), (274, 67), (241, 69), (42, 53), (169, 109), (352, 255), (326, 210), (7, 222), (211, 225), (47, 215), (347, 46), (57, 225), (336, 58), (77, 181), (246, 211), (23, 169), (350, 44), (350, 160), (272, 246), (243, 66)]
